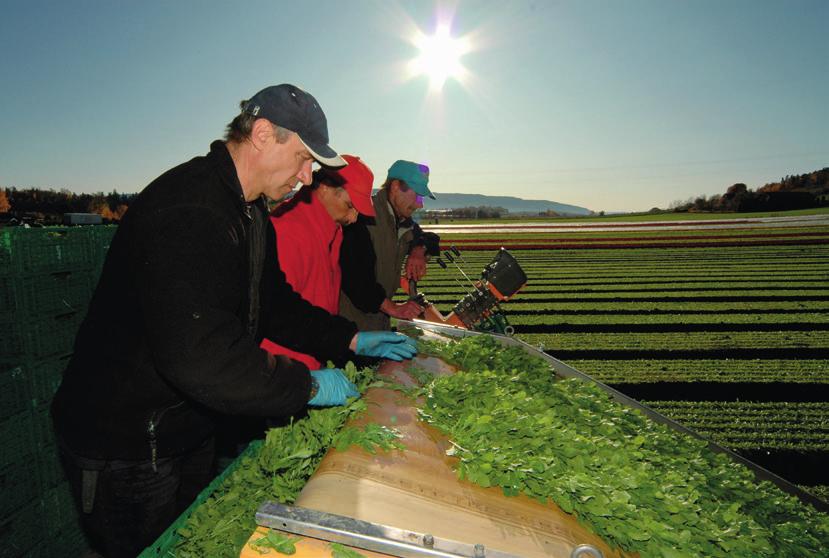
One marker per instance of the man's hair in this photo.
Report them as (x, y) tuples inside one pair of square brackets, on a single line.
[(240, 127), (401, 183)]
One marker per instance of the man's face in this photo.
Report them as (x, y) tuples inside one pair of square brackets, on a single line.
[(284, 165), (338, 204), (404, 203)]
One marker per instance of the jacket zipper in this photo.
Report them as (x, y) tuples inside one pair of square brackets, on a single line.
[(152, 432)]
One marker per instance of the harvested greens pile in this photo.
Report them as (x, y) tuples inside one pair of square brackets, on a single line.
[(638, 484), (221, 525)]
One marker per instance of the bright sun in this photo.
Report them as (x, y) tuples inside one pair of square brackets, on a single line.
[(439, 58)]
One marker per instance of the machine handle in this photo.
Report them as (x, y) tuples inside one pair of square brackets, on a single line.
[(441, 263), (455, 250), (448, 256)]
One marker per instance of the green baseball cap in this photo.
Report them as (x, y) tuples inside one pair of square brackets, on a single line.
[(415, 176)]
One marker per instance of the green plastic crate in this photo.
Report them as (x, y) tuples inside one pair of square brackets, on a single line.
[(49, 469), (21, 532), (26, 251), (35, 339), (69, 542), (164, 545), (16, 438), (15, 391), (45, 378), (47, 293), (58, 509), (18, 486)]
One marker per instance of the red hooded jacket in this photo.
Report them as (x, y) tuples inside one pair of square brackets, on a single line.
[(308, 243)]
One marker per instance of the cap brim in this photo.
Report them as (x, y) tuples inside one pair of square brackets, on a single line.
[(361, 203), (324, 155)]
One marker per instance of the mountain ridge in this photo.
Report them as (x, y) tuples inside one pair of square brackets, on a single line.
[(510, 203)]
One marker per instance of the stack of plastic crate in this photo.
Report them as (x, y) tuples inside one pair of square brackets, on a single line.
[(47, 276)]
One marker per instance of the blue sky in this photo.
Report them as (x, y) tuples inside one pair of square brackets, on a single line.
[(611, 105)]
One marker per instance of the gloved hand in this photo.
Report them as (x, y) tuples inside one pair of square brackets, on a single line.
[(334, 388), (385, 344)]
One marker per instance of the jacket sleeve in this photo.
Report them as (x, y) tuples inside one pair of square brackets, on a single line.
[(429, 240), (357, 262), (189, 270), (292, 321)]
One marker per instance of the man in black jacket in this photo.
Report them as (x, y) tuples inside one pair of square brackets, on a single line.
[(190, 286)]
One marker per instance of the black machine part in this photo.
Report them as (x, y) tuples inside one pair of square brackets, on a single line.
[(505, 274), (475, 306)]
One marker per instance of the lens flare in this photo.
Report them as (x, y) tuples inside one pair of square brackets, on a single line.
[(440, 57)]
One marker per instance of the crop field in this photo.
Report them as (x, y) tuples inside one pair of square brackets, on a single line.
[(719, 323)]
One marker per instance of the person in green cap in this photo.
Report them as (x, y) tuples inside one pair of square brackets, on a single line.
[(373, 251)]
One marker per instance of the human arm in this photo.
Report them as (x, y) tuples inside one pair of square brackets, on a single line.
[(357, 262), (188, 272)]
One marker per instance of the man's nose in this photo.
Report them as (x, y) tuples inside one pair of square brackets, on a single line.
[(304, 174)]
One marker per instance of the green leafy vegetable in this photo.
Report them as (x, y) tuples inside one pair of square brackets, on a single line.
[(275, 541), (221, 526), (340, 551), (638, 484)]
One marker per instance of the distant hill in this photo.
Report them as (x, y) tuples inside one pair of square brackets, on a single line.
[(511, 204)]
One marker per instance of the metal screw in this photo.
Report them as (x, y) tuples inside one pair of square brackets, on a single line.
[(479, 552), (428, 540)]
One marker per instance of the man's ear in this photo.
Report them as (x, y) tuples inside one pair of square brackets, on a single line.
[(260, 133)]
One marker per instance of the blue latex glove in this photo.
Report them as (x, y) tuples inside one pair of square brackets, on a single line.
[(386, 344), (334, 388)]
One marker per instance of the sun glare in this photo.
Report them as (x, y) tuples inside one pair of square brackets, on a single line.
[(439, 58)]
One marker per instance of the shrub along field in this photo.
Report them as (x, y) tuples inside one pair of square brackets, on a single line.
[(719, 323)]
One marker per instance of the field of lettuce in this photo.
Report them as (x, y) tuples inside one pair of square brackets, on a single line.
[(720, 323)]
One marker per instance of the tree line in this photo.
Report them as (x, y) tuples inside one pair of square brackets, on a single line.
[(48, 206), (791, 192)]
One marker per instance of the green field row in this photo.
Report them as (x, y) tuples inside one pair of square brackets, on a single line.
[(678, 341), (532, 294), (722, 235), (753, 425), (517, 305), (737, 288), (705, 370), (649, 281), (673, 319)]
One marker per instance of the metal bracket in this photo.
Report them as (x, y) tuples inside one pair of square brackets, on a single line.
[(368, 536)]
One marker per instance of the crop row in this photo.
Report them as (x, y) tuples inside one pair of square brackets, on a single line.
[(517, 305), (753, 425), (673, 319), (538, 279), (706, 370), (661, 243), (692, 287), (619, 296), (528, 232), (678, 341)]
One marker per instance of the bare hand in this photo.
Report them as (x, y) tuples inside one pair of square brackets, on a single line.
[(416, 265), (402, 311)]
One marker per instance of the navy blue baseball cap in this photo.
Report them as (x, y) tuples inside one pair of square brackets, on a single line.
[(292, 108)]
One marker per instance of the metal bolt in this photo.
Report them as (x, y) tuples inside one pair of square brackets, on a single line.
[(479, 552), (428, 540)]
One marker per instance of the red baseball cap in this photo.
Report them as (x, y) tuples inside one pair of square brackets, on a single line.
[(358, 183)]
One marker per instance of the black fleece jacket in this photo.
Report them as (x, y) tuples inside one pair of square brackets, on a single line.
[(171, 340), (358, 260)]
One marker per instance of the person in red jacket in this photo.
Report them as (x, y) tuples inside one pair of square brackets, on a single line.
[(309, 234)]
